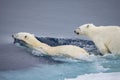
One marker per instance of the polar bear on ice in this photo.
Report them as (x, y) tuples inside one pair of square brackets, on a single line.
[(64, 50), (106, 38)]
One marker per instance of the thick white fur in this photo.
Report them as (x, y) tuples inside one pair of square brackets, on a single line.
[(64, 50), (106, 38)]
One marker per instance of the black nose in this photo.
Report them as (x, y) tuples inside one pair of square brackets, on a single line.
[(13, 36), (76, 32)]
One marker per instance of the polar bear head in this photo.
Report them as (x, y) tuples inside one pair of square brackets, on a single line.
[(84, 29), (25, 37)]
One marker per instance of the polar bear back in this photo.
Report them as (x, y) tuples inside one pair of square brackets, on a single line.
[(70, 50), (104, 32)]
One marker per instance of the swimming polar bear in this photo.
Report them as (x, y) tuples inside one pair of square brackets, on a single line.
[(106, 38), (63, 50)]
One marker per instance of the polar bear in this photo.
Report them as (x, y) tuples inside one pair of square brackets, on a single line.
[(106, 38), (64, 50)]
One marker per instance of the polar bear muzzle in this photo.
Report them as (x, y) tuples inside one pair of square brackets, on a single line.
[(76, 32), (20, 42)]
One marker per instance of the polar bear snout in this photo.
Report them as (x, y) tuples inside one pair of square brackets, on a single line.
[(12, 36), (15, 36), (76, 32), (15, 40)]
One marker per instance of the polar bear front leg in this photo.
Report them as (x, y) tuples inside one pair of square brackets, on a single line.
[(102, 48)]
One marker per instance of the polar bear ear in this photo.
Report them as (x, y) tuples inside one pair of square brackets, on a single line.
[(88, 26)]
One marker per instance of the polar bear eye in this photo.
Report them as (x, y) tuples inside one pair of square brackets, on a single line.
[(25, 36)]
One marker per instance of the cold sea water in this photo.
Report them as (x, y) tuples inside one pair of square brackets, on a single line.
[(55, 18), (96, 67)]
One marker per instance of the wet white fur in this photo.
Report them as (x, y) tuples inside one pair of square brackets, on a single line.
[(64, 50)]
